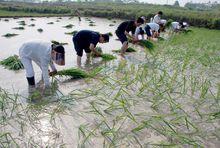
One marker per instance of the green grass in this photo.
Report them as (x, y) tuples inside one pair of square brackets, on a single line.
[(12, 63)]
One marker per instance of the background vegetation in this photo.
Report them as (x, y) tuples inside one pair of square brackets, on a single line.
[(205, 18)]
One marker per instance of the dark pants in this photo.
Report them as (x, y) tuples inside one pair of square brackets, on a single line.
[(121, 35), (79, 49), (147, 30)]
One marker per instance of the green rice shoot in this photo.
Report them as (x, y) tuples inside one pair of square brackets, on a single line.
[(130, 49), (147, 44), (8, 35), (74, 73)]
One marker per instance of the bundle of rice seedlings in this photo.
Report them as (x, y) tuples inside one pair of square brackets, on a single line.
[(68, 26), (21, 23), (91, 22), (50, 23), (40, 30), (59, 18), (111, 25), (113, 21), (31, 25), (8, 35), (74, 73), (18, 28), (147, 44), (72, 33), (6, 20), (107, 57), (12, 63), (128, 50), (99, 49), (32, 19), (58, 43)]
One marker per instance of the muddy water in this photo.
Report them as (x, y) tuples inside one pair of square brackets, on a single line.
[(9, 46)]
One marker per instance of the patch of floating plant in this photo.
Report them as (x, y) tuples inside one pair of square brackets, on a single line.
[(8, 35), (12, 63), (92, 24), (22, 23), (31, 25), (40, 30), (128, 50), (50, 23), (58, 43), (72, 33), (18, 28), (68, 26)]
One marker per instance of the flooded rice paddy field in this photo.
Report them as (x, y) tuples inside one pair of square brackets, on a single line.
[(167, 98)]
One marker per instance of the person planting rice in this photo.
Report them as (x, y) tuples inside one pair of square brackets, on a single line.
[(123, 31), (152, 30), (139, 31), (157, 19), (87, 40), (178, 26), (78, 14), (43, 54)]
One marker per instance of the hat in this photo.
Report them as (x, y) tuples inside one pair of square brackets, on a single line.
[(106, 37)]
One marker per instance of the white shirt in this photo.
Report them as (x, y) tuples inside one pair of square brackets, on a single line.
[(137, 32), (154, 26), (156, 19), (175, 25), (40, 53)]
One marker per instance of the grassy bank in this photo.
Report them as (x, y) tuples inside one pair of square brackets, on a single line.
[(208, 19)]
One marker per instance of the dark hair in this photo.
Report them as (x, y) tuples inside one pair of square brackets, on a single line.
[(106, 37), (140, 20), (58, 48), (160, 12)]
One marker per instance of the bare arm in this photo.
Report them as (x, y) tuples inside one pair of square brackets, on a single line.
[(92, 48)]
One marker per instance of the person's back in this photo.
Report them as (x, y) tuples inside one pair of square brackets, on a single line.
[(36, 50), (85, 37), (126, 26), (154, 26)]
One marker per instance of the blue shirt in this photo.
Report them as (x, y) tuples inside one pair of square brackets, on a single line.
[(86, 37)]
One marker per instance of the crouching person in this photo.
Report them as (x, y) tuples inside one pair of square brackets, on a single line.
[(43, 54), (152, 30), (87, 40)]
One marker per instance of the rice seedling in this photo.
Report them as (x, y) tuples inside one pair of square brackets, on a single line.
[(31, 25), (128, 50), (68, 26), (91, 22), (8, 35), (50, 23), (72, 33), (32, 19), (6, 20), (59, 43), (40, 30), (18, 28), (111, 25), (12, 63)]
